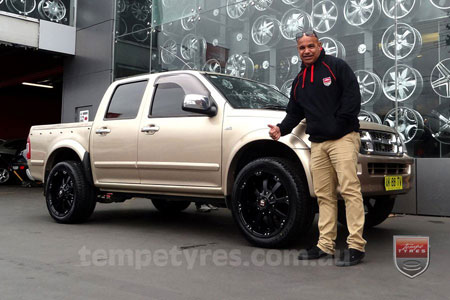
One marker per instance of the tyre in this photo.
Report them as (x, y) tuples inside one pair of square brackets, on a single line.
[(376, 209), (4, 175), (70, 198), (170, 206), (270, 203)]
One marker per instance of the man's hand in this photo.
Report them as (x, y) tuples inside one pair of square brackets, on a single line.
[(274, 132)]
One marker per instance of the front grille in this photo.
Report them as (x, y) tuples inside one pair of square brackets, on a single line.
[(379, 143), (387, 168)]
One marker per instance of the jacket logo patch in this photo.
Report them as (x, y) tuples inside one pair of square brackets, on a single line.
[(327, 81)]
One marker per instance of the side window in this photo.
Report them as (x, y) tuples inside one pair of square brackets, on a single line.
[(168, 101), (169, 95), (126, 100)]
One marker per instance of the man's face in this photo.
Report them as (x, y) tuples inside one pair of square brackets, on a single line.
[(309, 49)]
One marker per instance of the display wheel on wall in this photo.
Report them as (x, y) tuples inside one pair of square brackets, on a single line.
[(368, 116), (442, 4), (362, 13), (297, 3), (440, 78), (409, 83), (52, 10), (141, 11), (240, 66), (333, 47), (170, 28), (122, 27), (286, 87), (410, 123), (284, 68), (122, 6), (266, 31), (168, 51), (237, 9), (139, 33), (192, 47), (324, 16), (404, 8), (294, 21), (262, 5), (190, 18), (439, 123), (21, 7), (212, 65), (369, 86), (407, 40)]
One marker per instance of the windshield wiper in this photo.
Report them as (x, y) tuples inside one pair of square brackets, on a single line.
[(273, 106)]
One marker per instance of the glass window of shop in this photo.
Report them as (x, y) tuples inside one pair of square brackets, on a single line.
[(399, 50), (58, 11)]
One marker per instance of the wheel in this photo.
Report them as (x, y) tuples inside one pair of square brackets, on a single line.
[(4, 175), (270, 203), (69, 196), (170, 206), (376, 210)]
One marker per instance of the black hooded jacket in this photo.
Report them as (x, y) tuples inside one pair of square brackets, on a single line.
[(327, 94)]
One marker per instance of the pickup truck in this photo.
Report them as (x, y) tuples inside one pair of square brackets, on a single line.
[(189, 136)]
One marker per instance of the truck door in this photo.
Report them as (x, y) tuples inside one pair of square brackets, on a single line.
[(114, 140), (176, 147)]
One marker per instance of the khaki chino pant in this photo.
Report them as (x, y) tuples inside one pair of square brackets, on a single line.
[(332, 163)]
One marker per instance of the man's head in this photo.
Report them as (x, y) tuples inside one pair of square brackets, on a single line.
[(308, 47)]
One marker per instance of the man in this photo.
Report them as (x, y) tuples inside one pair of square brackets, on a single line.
[(326, 92)]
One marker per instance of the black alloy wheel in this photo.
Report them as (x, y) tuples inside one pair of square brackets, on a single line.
[(4, 175), (270, 203), (69, 197), (376, 210)]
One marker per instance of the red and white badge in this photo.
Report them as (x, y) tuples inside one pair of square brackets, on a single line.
[(326, 81), (411, 254)]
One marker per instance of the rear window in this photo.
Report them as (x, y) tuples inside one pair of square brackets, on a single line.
[(126, 100)]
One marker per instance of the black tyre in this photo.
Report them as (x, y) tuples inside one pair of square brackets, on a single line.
[(4, 175), (270, 203), (70, 198), (377, 209), (170, 206)]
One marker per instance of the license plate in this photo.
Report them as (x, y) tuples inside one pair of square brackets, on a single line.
[(393, 183)]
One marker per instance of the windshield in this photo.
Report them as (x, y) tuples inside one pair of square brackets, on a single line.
[(242, 93)]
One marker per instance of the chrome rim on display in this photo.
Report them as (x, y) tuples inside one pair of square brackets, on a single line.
[(410, 123), (139, 32), (265, 30), (20, 6), (362, 13), (284, 68), (240, 66), (168, 51), (212, 65), (293, 22), (286, 87), (190, 19), (123, 28), (409, 83), (440, 78), (442, 4), (404, 8), (53, 10), (324, 16), (333, 47), (295, 3), (368, 116), (237, 8), (439, 123), (140, 11), (262, 5), (369, 86), (192, 47), (409, 41), (122, 6)]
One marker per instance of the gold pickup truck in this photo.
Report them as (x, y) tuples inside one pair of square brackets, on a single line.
[(189, 136)]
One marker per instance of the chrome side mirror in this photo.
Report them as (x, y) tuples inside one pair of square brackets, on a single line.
[(199, 104)]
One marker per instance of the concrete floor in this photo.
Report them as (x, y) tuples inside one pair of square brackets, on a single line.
[(40, 259)]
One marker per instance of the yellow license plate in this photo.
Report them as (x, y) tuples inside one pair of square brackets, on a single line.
[(392, 183)]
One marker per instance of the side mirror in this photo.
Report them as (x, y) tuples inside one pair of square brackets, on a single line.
[(199, 104)]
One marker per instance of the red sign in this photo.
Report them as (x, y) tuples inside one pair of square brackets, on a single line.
[(411, 254)]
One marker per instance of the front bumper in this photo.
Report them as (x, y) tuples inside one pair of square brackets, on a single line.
[(373, 169)]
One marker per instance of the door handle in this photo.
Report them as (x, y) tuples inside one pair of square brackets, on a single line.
[(150, 129), (103, 130)]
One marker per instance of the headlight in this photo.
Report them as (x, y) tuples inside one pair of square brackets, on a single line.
[(366, 142)]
